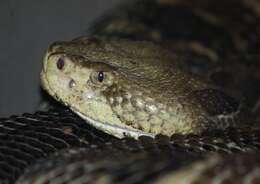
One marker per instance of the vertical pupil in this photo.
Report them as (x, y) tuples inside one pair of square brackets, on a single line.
[(100, 76), (60, 63)]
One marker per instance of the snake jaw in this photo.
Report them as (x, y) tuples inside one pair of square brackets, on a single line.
[(115, 130)]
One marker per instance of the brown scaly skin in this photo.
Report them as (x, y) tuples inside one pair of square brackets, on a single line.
[(93, 166), (144, 88), (26, 138), (218, 40), (147, 89), (239, 168)]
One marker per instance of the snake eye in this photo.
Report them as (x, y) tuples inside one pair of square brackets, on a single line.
[(60, 63), (101, 76)]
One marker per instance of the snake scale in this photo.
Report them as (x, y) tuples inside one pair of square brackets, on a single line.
[(161, 91)]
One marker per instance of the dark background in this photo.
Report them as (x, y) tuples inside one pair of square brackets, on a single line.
[(27, 27)]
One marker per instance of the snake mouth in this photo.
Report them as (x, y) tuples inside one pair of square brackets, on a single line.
[(115, 130)]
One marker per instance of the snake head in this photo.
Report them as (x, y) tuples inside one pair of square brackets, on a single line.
[(131, 88), (78, 74)]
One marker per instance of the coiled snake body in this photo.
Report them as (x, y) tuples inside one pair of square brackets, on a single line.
[(160, 71)]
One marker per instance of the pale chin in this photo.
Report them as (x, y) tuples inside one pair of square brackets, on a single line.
[(115, 130)]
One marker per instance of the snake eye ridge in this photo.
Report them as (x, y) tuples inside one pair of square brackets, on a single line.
[(101, 76), (60, 63)]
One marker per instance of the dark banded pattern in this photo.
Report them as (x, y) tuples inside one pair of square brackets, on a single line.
[(29, 137)]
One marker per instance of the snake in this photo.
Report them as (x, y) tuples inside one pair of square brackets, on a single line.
[(156, 95)]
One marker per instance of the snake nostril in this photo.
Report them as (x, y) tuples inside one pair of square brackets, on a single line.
[(60, 63)]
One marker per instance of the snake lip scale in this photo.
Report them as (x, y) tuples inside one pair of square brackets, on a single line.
[(116, 130)]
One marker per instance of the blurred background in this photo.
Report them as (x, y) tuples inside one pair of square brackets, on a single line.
[(26, 29)]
